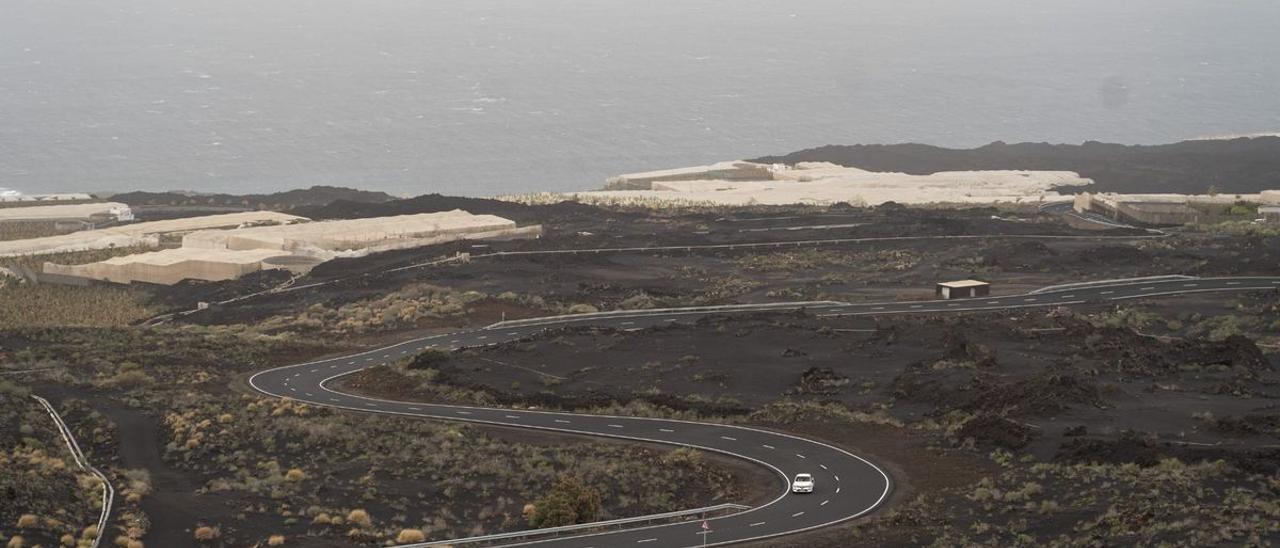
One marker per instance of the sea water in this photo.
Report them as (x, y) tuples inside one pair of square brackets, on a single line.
[(482, 97)]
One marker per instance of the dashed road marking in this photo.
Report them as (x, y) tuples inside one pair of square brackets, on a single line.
[(797, 514), (482, 337), (824, 503), (837, 490), (646, 540), (628, 323), (1067, 297), (463, 412), (1107, 292), (415, 409), (756, 524), (562, 421), (1190, 285), (1233, 283), (371, 405), (917, 306), (877, 308), (1147, 288), (728, 438), (1030, 299), (767, 446), (993, 302), (837, 478), (801, 456), (822, 466), (667, 430), (615, 426), (512, 416)]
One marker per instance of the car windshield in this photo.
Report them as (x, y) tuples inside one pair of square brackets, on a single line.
[(804, 477)]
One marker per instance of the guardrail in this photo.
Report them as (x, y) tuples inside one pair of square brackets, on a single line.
[(579, 527), (108, 492), (661, 311), (1078, 285)]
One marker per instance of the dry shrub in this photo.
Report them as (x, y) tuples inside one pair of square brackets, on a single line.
[(407, 536), (90, 532), (275, 540), (16, 542), (207, 533), (295, 474), (359, 517), (28, 521)]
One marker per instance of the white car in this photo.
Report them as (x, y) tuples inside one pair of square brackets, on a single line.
[(802, 484)]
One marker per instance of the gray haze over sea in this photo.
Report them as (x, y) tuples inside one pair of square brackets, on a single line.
[(481, 97)]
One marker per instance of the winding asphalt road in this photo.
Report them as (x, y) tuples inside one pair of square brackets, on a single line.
[(848, 486)]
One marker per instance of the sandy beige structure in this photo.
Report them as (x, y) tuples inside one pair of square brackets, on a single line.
[(136, 234), (1168, 209), (339, 238), (170, 266), (822, 183), (111, 210), (215, 255)]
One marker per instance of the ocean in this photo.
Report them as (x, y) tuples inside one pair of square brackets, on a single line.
[(483, 97)]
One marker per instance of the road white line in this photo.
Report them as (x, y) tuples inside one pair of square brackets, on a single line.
[(824, 503), (822, 466), (797, 514), (562, 421), (837, 478), (1190, 285), (993, 302), (627, 323), (728, 438), (801, 456), (371, 404), (1067, 297), (615, 426), (1233, 283), (351, 363), (1107, 292), (292, 389), (403, 352), (482, 337), (767, 446), (309, 395), (1030, 299), (877, 308), (511, 416), (415, 409), (1148, 288), (455, 341), (513, 333), (463, 412), (837, 490), (756, 524), (667, 430), (917, 306), (646, 540)]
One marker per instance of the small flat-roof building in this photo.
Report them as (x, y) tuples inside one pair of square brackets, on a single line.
[(1270, 214), (963, 289)]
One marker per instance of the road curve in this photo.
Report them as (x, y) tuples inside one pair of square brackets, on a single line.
[(848, 486)]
